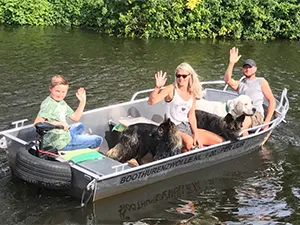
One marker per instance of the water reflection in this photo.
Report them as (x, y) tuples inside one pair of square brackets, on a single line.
[(248, 189), (210, 194)]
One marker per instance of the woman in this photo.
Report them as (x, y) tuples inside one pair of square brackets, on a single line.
[(181, 99)]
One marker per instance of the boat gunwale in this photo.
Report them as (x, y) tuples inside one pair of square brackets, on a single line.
[(195, 151), (281, 108)]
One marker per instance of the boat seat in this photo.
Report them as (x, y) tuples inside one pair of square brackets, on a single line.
[(125, 122), (93, 161), (80, 155), (104, 166), (130, 121)]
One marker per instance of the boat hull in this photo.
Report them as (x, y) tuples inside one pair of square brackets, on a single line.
[(105, 177), (174, 166)]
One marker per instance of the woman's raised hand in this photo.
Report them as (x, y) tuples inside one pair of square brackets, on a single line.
[(160, 79)]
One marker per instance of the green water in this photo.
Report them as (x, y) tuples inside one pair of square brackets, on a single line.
[(261, 188)]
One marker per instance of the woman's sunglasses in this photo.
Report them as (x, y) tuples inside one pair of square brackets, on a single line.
[(182, 75)]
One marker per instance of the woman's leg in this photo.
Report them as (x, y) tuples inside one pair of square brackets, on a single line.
[(188, 141), (209, 138), (246, 124)]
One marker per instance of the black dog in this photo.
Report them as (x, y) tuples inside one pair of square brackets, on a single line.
[(227, 127), (138, 140)]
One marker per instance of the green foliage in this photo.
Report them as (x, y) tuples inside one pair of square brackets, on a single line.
[(173, 19), (66, 12), (29, 12), (92, 13)]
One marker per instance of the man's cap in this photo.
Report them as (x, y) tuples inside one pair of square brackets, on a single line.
[(249, 62)]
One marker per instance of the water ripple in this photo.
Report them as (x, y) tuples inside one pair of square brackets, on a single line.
[(263, 189)]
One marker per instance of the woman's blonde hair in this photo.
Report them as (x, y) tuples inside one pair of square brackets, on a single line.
[(194, 85)]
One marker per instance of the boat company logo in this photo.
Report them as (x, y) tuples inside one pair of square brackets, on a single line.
[(190, 159)]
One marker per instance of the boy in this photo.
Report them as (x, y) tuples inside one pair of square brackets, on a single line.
[(55, 110)]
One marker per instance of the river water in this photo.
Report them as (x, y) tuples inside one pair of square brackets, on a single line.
[(260, 188)]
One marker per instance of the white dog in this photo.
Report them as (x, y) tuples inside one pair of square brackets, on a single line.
[(236, 107)]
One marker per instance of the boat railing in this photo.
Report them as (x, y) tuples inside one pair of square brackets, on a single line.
[(119, 168), (281, 108), (281, 111), (202, 83), (259, 128), (141, 92)]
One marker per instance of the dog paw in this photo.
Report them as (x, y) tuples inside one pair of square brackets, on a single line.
[(132, 162)]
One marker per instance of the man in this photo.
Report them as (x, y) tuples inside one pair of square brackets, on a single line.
[(255, 87)]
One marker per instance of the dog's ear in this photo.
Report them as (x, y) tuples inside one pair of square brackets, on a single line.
[(166, 118), (228, 118), (160, 131), (241, 118), (231, 106)]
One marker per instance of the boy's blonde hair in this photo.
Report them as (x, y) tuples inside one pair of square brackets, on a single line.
[(194, 85), (58, 80)]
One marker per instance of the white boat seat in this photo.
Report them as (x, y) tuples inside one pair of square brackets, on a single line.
[(134, 120), (125, 122)]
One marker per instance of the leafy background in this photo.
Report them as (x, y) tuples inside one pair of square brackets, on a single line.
[(171, 19)]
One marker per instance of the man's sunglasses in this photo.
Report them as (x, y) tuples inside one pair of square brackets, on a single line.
[(182, 75)]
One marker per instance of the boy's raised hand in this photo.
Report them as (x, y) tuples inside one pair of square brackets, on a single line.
[(81, 95)]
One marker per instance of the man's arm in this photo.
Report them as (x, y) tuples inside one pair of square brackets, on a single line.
[(233, 59), (270, 97)]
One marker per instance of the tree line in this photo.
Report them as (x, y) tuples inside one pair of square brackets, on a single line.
[(171, 19)]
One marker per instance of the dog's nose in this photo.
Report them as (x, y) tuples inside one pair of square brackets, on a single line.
[(253, 110)]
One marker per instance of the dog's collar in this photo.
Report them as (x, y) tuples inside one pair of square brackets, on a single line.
[(226, 106)]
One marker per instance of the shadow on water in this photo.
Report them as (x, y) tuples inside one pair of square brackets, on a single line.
[(184, 199)]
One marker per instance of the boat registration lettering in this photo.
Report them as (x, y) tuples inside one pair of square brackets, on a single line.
[(160, 168), (224, 149), (179, 162)]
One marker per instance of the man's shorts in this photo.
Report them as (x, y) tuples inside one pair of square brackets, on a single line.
[(257, 119)]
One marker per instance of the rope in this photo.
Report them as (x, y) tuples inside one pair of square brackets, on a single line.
[(89, 187)]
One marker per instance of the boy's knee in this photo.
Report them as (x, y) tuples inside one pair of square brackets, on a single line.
[(98, 140)]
